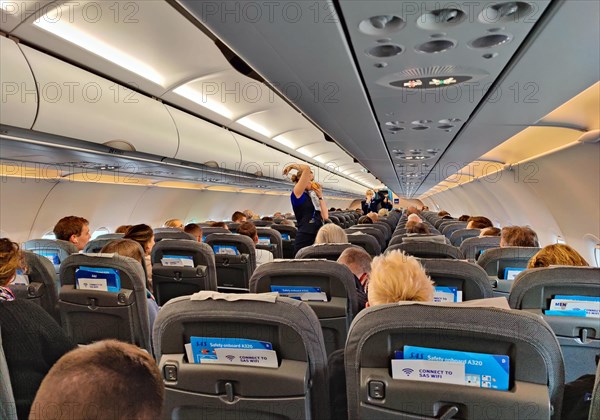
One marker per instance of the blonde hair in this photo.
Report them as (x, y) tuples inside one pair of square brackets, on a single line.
[(373, 216), (174, 223), (397, 277), (557, 254), (11, 259), (331, 234), (383, 212), (369, 192)]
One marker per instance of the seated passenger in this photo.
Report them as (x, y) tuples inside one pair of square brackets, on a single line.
[(365, 220), (219, 225), (412, 210), (249, 214), (267, 218), (383, 212), (489, 231), (277, 215), (413, 217), (73, 229), (418, 229), (478, 222), (420, 232), (464, 218), (425, 208), (359, 262), (359, 212), (108, 379), (442, 213), (131, 249), (331, 234), (31, 339), (238, 217), (144, 236), (262, 255), (373, 216), (194, 230), (557, 254), (122, 229), (396, 277), (174, 223), (287, 222), (518, 236)]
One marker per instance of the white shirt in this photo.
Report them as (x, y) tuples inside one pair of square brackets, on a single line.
[(263, 256)]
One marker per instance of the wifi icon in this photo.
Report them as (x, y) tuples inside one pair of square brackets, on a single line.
[(230, 357), (408, 371)]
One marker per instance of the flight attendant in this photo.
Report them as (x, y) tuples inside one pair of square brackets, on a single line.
[(369, 204), (308, 205)]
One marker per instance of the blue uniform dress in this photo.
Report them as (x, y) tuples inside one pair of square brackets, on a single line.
[(308, 221)]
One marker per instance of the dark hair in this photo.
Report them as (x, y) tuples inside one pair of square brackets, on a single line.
[(142, 234), (219, 224), (420, 228), (193, 229), (519, 236), (490, 231), (463, 218), (120, 370), (480, 222), (443, 213), (69, 226), (236, 216), (247, 229), (267, 219)]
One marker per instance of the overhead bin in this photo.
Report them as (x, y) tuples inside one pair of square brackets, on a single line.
[(204, 142), (19, 95), (78, 104)]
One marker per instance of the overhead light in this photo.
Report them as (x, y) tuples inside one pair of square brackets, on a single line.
[(200, 99), (248, 123), (303, 151), (69, 32), (282, 140)]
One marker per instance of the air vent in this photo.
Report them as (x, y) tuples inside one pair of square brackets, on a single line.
[(420, 127), (381, 25), (437, 46), (384, 51), (440, 19), (489, 41), (449, 120), (420, 122), (513, 11), (120, 145)]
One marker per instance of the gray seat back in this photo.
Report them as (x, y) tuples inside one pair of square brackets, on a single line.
[(425, 249), (261, 223), (54, 249), (450, 228), (385, 228), (365, 241), (323, 251), (287, 244), (536, 366), (173, 233), (495, 260), (43, 284), (579, 337), (95, 245), (460, 235), (440, 239), (296, 389), (233, 227), (170, 282), (210, 230), (112, 236), (8, 408), (275, 246), (233, 271), (472, 247), (368, 228), (92, 315), (336, 280), (471, 279)]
